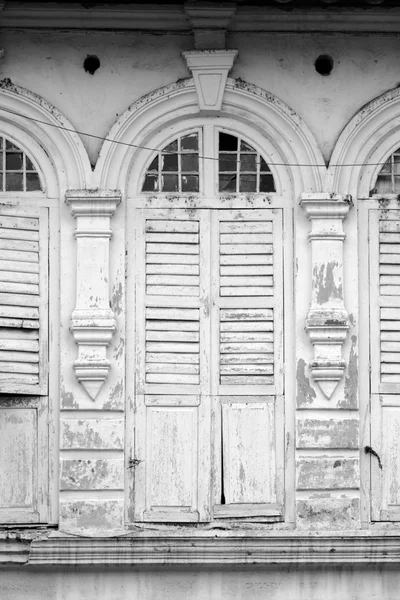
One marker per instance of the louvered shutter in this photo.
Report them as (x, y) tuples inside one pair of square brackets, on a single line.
[(247, 363), (172, 382), (384, 264), (23, 300)]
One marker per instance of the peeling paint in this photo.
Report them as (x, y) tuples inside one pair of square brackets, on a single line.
[(116, 298), (305, 392), (351, 379), (68, 400), (115, 398), (324, 282)]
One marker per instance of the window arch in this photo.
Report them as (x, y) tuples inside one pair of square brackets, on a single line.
[(17, 171), (241, 168)]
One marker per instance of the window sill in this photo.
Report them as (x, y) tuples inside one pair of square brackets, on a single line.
[(216, 550)]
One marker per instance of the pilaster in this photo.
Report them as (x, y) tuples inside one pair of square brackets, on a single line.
[(92, 322), (327, 321)]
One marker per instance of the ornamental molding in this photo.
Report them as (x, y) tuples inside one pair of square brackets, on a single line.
[(285, 134), (92, 322), (44, 132), (216, 550), (327, 321), (210, 70), (156, 17)]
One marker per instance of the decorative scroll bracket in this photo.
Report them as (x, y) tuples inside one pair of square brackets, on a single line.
[(327, 321), (92, 322), (210, 70)]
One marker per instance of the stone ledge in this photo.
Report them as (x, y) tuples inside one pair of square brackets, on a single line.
[(216, 550)]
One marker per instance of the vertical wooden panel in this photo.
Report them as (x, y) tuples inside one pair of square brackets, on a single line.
[(19, 468), (248, 450), (172, 463), (385, 422)]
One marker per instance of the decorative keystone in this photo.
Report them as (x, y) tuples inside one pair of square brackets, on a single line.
[(92, 322), (327, 321), (210, 70)]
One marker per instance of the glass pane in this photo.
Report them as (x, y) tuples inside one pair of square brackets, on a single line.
[(172, 147), (150, 183), (1, 142), (227, 183), (170, 162), (1, 182), (190, 183), (228, 162), (11, 146), (154, 165), (263, 165), (32, 182), (267, 183), (29, 165), (396, 164), (170, 183), (14, 182), (14, 161), (245, 147), (227, 142), (248, 162), (189, 142), (190, 162), (248, 183)]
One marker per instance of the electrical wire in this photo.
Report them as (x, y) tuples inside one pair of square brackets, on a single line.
[(203, 157)]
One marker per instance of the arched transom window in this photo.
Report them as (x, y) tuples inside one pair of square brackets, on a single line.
[(177, 167), (17, 172), (388, 180)]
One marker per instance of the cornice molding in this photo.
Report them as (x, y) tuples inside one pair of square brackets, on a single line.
[(216, 550), (172, 18)]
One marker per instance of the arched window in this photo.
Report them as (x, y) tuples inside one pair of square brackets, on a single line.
[(241, 168), (17, 172), (388, 180), (208, 280)]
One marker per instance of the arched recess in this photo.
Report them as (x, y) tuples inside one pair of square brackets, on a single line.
[(48, 139), (288, 147), (364, 145), (46, 135), (285, 139), (366, 142)]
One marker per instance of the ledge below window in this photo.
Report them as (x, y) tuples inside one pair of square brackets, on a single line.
[(217, 550)]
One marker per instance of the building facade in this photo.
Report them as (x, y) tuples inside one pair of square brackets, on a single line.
[(199, 300)]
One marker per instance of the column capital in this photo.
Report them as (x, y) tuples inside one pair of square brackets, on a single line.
[(92, 202), (323, 205)]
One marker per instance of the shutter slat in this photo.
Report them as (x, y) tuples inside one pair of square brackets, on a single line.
[(23, 300)]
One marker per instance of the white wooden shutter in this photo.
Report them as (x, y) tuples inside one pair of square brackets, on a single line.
[(247, 362), (384, 271), (23, 300), (172, 379)]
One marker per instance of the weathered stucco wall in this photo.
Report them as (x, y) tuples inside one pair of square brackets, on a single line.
[(133, 64), (323, 441), (203, 584)]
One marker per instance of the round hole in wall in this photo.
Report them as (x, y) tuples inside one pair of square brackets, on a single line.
[(324, 65), (91, 64)]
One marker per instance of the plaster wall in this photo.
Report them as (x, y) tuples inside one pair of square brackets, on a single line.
[(286, 583), (327, 436), (133, 64)]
